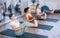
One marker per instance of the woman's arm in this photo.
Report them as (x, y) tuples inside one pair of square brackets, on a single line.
[(17, 28)]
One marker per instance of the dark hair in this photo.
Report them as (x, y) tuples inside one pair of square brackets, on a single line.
[(10, 15), (25, 10), (4, 3), (37, 5)]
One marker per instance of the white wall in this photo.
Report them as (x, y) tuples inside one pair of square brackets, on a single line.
[(1, 1), (58, 4), (14, 2), (52, 4), (24, 4), (8, 2)]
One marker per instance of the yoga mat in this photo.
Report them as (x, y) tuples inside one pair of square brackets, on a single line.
[(11, 33), (30, 35), (44, 27), (8, 32), (47, 19), (51, 20)]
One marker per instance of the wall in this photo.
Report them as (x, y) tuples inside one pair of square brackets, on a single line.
[(52, 4)]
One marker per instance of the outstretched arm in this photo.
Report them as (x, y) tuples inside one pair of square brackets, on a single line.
[(18, 28)]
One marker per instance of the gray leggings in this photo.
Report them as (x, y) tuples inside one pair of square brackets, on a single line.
[(48, 11), (37, 17)]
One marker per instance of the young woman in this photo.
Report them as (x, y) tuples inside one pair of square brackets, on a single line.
[(29, 16), (19, 28), (41, 15)]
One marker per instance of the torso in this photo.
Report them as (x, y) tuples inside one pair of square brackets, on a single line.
[(38, 11), (15, 23), (29, 16)]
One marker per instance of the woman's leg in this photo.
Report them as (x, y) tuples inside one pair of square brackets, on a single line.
[(52, 11), (35, 23), (44, 16), (49, 11)]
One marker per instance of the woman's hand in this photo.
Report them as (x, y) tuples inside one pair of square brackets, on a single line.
[(43, 12), (23, 26)]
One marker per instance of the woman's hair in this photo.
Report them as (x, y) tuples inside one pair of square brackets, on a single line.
[(4, 3), (37, 5), (10, 15), (26, 9)]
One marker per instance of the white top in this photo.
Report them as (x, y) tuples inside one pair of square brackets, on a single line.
[(38, 11), (15, 23)]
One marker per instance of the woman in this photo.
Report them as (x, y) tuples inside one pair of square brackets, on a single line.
[(19, 28), (29, 16), (40, 15)]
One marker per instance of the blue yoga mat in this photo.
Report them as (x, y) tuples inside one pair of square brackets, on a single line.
[(51, 20), (44, 27), (11, 33), (48, 19)]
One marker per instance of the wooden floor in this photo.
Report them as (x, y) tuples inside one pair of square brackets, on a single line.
[(53, 33)]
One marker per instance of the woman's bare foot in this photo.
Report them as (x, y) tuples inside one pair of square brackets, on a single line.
[(52, 11)]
